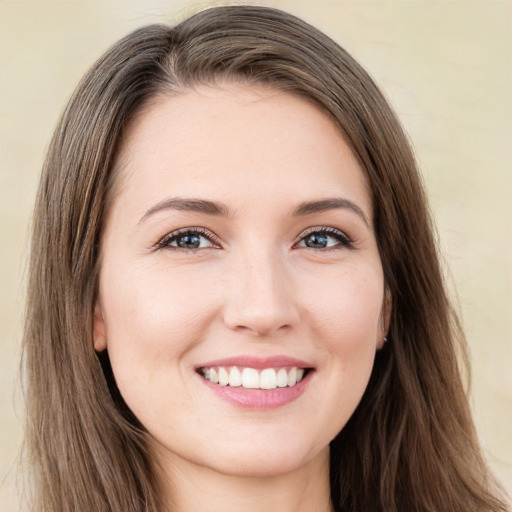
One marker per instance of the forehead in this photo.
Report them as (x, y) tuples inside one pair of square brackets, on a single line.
[(249, 142)]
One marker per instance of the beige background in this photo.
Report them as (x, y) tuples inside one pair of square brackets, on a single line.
[(445, 65)]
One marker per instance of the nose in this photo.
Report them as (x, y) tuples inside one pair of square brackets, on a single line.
[(259, 296)]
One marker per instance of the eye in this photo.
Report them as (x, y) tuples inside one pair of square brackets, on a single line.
[(324, 238), (188, 239)]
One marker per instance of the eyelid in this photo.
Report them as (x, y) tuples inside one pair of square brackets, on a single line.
[(342, 237), (163, 243)]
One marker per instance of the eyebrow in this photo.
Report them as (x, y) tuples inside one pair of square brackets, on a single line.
[(310, 207), (190, 205), (219, 209)]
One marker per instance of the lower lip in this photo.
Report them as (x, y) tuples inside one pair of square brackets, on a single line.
[(259, 398)]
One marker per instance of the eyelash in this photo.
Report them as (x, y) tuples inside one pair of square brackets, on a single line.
[(165, 242), (345, 242), (339, 236)]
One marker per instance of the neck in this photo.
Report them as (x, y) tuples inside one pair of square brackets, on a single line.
[(191, 488)]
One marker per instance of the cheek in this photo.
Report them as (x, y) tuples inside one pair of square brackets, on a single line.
[(152, 319), (347, 308), (346, 324)]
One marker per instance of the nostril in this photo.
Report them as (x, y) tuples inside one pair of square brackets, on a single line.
[(263, 309)]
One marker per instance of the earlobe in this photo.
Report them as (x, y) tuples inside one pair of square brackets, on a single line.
[(99, 334), (385, 318)]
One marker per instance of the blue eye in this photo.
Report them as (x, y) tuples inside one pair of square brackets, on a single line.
[(324, 238), (192, 239), (188, 239)]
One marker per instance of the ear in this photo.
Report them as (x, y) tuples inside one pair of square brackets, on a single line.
[(385, 318), (99, 333)]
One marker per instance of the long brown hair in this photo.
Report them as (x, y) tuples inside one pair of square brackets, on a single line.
[(409, 446)]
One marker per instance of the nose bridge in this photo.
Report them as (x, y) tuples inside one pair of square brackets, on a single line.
[(260, 296)]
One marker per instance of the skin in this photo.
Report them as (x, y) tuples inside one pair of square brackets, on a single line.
[(256, 289)]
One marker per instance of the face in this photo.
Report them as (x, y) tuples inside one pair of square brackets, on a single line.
[(241, 290)]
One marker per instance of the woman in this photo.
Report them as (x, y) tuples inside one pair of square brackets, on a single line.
[(235, 298)]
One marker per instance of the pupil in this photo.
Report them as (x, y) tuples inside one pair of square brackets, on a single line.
[(189, 241), (316, 241)]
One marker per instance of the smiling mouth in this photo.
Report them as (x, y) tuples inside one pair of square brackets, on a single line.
[(252, 378)]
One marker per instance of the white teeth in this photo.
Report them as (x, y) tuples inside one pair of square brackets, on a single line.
[(268, 379), (213, 376), (235, 377), (223, 377), (250, 378), (282, 378), (292, 377)]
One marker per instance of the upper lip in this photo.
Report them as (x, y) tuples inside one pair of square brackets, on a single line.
[(258, 362)]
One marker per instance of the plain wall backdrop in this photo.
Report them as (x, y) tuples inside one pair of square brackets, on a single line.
[(446, 66)]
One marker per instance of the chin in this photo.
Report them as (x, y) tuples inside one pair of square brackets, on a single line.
[(267, 461)]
